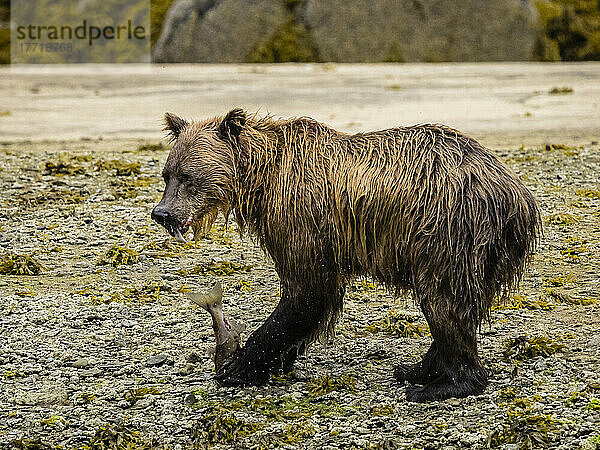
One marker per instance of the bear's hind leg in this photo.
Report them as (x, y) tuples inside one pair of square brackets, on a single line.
[(451, 367)]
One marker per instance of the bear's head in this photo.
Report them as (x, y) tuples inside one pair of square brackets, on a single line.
[(198, 174)]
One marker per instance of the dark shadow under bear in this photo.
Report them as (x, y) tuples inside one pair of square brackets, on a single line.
[(424, 209)]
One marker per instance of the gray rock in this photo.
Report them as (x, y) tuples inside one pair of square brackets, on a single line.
[(44, 398), (354, 30), (423, 30), (94, 372), (156, 360), (190, 399), (80, 363), (194, 358), (186, 370), (209, 31)]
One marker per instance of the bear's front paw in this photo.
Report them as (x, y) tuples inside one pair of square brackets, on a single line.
[(241, 370)]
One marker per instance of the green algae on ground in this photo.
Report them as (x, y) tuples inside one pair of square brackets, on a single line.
[(576, 398), (525, 429), (86, 398), (522, 348), (317, 387), (521, 302), (564, 219), (399, 325), (382, 410), (574, 253), (14, 374), (13, 264), (594, 441), (588, 193), (134, 395), (52, 420), (593, 405), (556, 295), (563, 297), (292, 408), (363, 286), (149, 147), (129, 188), (63, 168), (559, 281), (279, 408), (220, 235), (566, 149), (218, 268), (32, 444), (507, 393), (122, 169), (550, 147), (117, 437), (118, 256), (220, 426), (243, 286), (53, 196), (561, 90), (295, 433)]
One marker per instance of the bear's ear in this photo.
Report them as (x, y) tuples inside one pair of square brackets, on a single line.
[(232, 124), (174, 124)]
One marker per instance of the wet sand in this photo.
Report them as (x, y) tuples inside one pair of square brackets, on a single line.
[(498, 103)]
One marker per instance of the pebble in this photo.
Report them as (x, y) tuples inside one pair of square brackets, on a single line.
[(156, 360), (45, 398), (80, 363), (190, 399), (187, 369), (94, 372), (69, 354)]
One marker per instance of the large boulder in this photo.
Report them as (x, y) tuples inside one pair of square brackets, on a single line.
[(348, 30), (217, 31), (423, 30)]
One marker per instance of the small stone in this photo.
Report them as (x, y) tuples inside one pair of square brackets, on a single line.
[(186, 370), (124, 404), (80, 363), (45, 398), (95, 372), (190, 399), (144, 403), (194, 358), (156, 360)]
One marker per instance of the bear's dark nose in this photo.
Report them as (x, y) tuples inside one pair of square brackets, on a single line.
[(160, 215)]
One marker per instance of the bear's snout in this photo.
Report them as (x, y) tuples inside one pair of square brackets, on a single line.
[(160, 215)]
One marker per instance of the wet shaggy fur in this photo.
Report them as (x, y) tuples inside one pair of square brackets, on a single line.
[(424, 209)]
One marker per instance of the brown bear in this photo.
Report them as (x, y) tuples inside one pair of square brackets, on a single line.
[(423, 209)]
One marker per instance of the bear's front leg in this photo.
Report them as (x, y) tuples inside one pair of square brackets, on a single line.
[(304, 311)]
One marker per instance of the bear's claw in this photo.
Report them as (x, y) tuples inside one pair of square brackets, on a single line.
[(240, 370)]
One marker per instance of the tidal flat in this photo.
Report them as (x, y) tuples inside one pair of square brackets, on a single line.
[(99, 344)]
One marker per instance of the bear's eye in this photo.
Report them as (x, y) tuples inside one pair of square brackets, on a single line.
[(185, 178)]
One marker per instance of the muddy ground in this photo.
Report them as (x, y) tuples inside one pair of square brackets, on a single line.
[(93, 354)]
